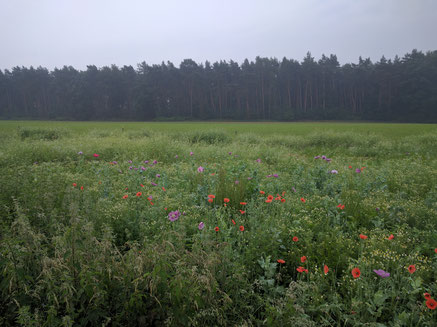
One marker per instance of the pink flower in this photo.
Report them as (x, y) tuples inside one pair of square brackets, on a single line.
[(200, 169)]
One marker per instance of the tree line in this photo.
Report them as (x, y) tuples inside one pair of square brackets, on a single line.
[(402, 89)]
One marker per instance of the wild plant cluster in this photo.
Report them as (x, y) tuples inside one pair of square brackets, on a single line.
[(132, 227)]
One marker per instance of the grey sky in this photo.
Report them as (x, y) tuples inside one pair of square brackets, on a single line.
[(53, 33)]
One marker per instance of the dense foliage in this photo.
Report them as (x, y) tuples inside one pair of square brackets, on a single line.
[(198, 226), (403, 89)]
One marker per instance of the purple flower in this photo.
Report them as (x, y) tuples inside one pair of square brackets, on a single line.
[(114, 162), (317, 157), (174, 215), (324, 157), (201, 225), (328, 159), (191, 153), (258, 160), (294, 190), (80, 153), (184, 213), (154, 184), (155, 162), (334, 171), (129, 161), (200, 169), (230, 153), (143, 168), (381, 273), (158, 175), (146, 161), (135, 168), (377, 209), (237, 182), (176, 156), (269, 176), (130, 168), (249, 178), (275, 175), (358, 170)]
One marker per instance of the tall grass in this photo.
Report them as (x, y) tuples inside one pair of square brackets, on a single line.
[(72, 256)]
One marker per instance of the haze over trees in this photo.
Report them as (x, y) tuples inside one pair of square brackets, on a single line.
[(402, 89)]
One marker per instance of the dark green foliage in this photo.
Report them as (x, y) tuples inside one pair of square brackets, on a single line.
[(40, 134), (402, 90)]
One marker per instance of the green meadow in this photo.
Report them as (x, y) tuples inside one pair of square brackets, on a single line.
[(218, 224)]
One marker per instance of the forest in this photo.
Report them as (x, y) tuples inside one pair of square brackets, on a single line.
[(266, 89)]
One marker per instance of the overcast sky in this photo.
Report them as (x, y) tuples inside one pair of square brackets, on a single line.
[(54, 33)]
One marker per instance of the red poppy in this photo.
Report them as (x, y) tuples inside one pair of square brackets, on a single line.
[(295, 239), (139, 194), (341, 206), (303, 200), (74, 184), (391, 237), (242, 212), (81, 188), (281, 261), (163, 188), (427, 295), (282, 200), (125, 189), (278, 198), (431, 303), (283, 193), (325, 269), (242, 228), (96, 155), (212, 174), (225, 205), (356, 272), (411, 269), (211, 196), (243, 203), (435, 250), (350, 167), (216, 229), (151, 203), (233, 221), (210, 200), (141, 185), (270, 197), (226, 200), (125, 196), (268, 201), (302, 269), (262, 192), (363, 237), (303, 259)]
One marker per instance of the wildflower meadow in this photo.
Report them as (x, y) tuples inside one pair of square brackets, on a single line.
[(218, 224)]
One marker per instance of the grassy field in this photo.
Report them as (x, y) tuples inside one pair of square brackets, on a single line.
[(218, 224)]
